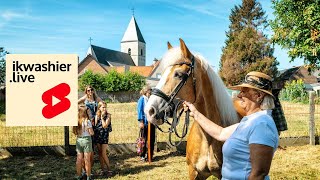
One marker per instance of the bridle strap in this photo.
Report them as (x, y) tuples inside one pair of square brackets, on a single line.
[(159, 93), (169, 100)]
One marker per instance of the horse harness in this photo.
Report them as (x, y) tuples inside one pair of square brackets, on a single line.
[(171, 107)]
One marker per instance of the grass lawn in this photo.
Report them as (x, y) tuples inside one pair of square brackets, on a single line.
[(125, 127), (300, 162)]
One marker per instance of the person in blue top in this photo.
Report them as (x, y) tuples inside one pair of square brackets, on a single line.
[(143, 122), (249, 145)]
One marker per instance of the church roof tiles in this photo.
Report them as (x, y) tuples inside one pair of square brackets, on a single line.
[(111, 57)]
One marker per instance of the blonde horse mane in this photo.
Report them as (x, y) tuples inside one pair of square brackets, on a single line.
[(224, 101), (228, 113)]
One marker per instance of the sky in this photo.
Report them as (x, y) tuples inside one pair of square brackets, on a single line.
[(64, 26)]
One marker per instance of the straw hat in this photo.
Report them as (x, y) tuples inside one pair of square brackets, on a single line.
[(256, 80)]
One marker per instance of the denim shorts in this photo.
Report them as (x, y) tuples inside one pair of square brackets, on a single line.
[(84, 144)]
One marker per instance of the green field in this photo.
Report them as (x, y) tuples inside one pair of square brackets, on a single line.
[(125, 127), (296, 162)]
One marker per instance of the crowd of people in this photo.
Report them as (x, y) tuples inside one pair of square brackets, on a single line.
[(94, 126), (248, 145)]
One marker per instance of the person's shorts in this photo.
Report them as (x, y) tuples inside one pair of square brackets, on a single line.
[(84, 144)]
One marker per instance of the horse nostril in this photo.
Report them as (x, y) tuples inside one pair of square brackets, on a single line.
[(152, 111)]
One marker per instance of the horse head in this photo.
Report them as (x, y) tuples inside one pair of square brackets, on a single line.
[(177, 82)]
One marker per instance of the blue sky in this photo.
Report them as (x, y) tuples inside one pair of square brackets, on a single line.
[(64, 26)]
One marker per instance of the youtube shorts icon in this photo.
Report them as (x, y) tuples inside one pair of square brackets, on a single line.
[(42, 90), (56, 100)]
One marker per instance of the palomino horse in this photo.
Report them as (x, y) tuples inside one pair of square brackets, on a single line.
[(191, 78)]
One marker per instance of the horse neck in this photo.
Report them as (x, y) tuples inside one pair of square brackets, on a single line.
[(205, 100)]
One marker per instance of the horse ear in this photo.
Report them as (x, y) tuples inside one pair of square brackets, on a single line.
[(169, 45), (185, 51)]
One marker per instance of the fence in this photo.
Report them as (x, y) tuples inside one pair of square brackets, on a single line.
[(125, 127)]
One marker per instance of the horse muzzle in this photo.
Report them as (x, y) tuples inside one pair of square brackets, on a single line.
[(158, 117)]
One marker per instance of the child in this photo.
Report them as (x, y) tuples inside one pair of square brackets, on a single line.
[(103, 127), (83, 132)]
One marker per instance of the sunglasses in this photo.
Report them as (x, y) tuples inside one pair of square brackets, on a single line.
[(89, 90)]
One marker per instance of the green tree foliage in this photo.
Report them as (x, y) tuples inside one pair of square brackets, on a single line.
[(90, 78), (246, 47), (294, 91), (297, 28), (3, 52), (112, 81)]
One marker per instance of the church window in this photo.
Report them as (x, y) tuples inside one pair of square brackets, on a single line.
[(129, 51), (141, 52)]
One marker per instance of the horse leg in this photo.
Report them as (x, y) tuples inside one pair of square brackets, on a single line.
[(193, 173)]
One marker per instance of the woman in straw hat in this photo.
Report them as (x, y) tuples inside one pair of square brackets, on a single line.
[(249, 145)]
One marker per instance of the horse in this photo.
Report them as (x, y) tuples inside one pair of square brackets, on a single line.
[(189, 77)]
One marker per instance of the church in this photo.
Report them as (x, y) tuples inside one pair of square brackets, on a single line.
[(131, 57)]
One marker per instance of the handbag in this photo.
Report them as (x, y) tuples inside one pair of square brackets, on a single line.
[(140, 143)]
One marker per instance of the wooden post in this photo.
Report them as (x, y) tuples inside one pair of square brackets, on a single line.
[(66, 141), (311, 120), (149, 142)]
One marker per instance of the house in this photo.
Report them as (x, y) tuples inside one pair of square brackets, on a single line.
[(300, 72), (132, 56)]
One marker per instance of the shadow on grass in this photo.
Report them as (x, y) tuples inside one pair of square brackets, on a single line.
[(130, 164), (37, 167), (54, 167)]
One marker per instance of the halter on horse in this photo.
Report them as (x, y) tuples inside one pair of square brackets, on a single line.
[(171, 107), (207, 92)]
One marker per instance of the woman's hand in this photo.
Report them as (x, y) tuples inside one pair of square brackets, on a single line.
[(141, 124), (188, 106)]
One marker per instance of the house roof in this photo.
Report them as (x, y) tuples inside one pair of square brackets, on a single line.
[(133, 32), (141, 70), (287, 73), (110, 57), (155, 66), (94, 58)]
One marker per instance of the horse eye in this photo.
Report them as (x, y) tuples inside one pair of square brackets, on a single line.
[(178, 75)]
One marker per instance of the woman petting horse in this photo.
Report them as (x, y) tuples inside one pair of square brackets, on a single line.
[(203, 87), (249, 145)]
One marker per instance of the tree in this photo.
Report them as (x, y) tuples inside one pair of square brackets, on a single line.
[(112, 81), (294, 91), (297, 28), (246, 47), (3, 52)]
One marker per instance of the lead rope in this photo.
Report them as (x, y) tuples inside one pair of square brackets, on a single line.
[(175, 122)]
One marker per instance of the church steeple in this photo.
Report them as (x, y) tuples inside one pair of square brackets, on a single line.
[(133, 43), (133, 32)]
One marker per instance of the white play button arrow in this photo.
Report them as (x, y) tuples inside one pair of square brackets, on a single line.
[(55, 101)]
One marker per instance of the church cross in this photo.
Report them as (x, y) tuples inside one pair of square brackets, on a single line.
[(90, 39), (132, 9)]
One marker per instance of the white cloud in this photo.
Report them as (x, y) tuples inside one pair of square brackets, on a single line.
[(203, 7), (8, 15)]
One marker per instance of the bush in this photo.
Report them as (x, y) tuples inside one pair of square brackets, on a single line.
[(294, 91), (112, 81)]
